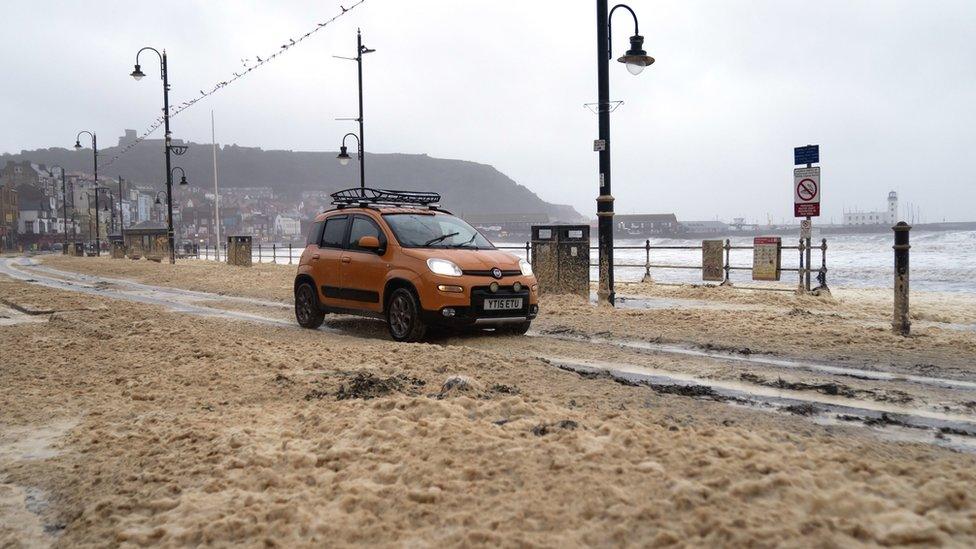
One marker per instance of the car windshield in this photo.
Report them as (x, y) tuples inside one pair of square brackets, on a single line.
[(435, 231)]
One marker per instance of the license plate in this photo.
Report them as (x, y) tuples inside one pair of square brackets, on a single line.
[(503, 304)]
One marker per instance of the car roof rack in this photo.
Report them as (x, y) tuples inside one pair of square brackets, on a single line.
[(384, 197)]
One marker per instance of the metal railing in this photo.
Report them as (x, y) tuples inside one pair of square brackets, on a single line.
[(727, 267)]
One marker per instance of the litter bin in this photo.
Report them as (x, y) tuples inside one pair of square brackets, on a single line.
[(239, 251), (561, 258)]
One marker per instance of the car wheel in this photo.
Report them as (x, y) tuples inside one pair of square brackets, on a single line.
[(403, 316), (308, 312), (514, 329)]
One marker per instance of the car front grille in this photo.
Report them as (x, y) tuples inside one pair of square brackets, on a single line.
[(515, 272)]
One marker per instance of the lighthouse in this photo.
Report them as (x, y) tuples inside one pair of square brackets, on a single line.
[(892, 207)]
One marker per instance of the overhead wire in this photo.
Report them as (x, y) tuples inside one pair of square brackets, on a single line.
[(247, 68)]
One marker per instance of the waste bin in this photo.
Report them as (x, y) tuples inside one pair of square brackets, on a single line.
[(78, 250), (239, 251), (118, 249), (561, 258)]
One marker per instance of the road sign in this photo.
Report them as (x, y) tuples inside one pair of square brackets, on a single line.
[(806, 155), (806, 192), (766, 255), (806, 228), (599, 145)]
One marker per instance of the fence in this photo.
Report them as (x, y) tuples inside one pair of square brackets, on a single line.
[(801, 269), (289, 254)]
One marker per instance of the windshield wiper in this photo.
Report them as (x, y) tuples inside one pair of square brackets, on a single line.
[(439, 238), (465, 244)]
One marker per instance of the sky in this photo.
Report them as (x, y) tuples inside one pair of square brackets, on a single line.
[(887, 88)]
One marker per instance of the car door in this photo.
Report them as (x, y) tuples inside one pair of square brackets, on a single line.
[(363, 269), (327, 259)]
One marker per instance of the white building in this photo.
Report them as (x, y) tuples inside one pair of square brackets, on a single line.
[(889, 217), (287, 226)]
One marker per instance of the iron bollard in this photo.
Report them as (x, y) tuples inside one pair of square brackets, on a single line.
[(259, 253), (528, 253), (289, 253), (274, 254), (900, 323)]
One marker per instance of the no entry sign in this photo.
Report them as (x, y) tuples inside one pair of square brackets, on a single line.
[(806, 192)]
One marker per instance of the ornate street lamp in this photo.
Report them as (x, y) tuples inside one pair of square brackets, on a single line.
[(94, 142), (167, 141), (636, 60)]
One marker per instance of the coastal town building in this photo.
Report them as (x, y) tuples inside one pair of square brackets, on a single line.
[(647, 224)]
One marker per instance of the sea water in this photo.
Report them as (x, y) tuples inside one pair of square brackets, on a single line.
[(940, 260)]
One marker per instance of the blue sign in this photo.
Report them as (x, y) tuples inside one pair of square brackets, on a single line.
[(806, 155)]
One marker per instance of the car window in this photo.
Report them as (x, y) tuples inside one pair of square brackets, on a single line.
[(315, 233), (334, 232), (362, 226), (435, 231)]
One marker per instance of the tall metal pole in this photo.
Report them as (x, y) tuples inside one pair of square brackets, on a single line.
[(604, 202), (169, 173), (121, 215), (64, 207), (362, 146), (213, 139), (98, 242)]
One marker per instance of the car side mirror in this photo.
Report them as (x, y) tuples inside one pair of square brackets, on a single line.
[(369, 243)]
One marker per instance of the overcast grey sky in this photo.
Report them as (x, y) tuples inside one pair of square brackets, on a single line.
[(888, 88)]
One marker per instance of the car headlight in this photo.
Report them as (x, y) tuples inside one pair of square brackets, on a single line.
[(525, 267), (443, 267)]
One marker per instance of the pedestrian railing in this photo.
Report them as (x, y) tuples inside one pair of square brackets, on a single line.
[(801, 269), (286, 254)]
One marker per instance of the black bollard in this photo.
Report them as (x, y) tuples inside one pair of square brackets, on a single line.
[(900, 323)]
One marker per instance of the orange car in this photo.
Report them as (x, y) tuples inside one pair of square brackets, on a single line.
[(396, 255)]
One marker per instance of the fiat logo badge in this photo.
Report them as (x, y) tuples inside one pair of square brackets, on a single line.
[(496, 272)]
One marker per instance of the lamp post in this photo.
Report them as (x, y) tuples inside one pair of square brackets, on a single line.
[(343, 156), (64, 205), (121, 216), (167, 145), (94, 141), (636, 59)]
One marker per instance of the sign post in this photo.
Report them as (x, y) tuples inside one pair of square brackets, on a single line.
[(806, 195)]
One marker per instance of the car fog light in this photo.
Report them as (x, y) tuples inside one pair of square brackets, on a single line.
[(517, 286), (449, 288), (493, 287), (448, 312)]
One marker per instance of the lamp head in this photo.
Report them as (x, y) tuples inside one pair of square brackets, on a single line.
[(157, 200), (77, 144), (183, 180), (636, 58), (343, 156), (137, 73)]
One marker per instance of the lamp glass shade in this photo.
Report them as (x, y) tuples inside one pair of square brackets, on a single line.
[(137, 73), (343, 156), (636, 58)]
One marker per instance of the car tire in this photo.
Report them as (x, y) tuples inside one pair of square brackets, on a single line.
[(514, 329), (403, 316), (308, 311)]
